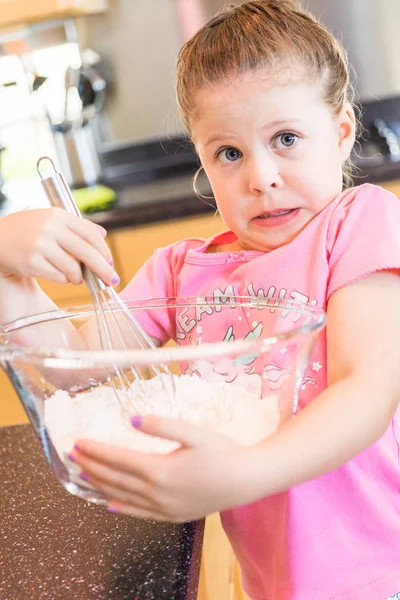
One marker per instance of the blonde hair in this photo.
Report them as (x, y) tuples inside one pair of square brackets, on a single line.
[(264, 34)]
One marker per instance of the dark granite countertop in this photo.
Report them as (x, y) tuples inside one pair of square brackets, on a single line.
[(55, 546), (158, 200)]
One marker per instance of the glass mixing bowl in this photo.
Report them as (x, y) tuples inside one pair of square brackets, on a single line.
[(235, 364)]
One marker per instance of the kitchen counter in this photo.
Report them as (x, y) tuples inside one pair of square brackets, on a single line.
[(55, 546), (162, 199), (158, 200)]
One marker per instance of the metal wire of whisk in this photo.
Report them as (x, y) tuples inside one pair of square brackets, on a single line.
[(114, 329)]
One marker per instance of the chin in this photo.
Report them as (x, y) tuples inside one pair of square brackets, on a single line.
[(268, 243)]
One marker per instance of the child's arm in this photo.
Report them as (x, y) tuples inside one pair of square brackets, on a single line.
[(363, 393), (351, 414), (48, 243)]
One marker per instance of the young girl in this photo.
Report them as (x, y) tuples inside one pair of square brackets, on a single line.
[(313, 512)]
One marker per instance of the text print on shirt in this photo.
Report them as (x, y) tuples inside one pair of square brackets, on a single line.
[(227, 297)]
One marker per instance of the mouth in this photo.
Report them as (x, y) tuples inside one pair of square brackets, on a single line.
[(275, 213), (276, 217)]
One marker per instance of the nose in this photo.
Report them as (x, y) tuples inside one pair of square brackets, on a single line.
[(263, 174)]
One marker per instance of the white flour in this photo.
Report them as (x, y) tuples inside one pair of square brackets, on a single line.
[(223, 407)]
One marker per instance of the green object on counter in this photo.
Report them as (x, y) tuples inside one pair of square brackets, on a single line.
[(94, 198)]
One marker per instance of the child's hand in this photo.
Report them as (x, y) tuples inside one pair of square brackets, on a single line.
[(51, 243), (208, 473)]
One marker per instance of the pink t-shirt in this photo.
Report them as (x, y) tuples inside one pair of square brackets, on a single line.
[(337, 536)]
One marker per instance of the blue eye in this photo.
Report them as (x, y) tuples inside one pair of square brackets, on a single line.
[(229, 155), (286, 138)]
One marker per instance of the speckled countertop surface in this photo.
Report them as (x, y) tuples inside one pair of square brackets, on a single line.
[(54, 546)]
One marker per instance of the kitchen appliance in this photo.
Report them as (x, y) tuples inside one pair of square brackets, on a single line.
[(75, 136)]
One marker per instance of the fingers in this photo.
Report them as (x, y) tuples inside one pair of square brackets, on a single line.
[(62, 261), (123, 488), (121, 480), (57, 245), (95, 455), (128, 494), (76, 248), (177, 430), (90, 232), (84, 241), (125, 480), (49, 271)]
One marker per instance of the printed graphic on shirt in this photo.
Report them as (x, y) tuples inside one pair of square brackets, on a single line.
[(260, 372), (188, 319)]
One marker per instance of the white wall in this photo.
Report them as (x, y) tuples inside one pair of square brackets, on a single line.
[(369, 30), (140, 39)]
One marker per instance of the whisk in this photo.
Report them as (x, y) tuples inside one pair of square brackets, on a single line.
[(106, 301)]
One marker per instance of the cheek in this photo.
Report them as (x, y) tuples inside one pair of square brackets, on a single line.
[(212, 175), (223, 187), (322, 165)]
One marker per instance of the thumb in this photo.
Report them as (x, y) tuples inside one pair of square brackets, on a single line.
[(176, 430)]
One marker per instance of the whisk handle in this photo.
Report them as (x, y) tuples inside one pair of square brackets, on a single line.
[(57, 189), (59, 194)]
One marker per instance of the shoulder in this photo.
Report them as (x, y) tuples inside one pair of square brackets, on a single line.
[(363, 235), (174, 254), (182, 247), (365, 198), (362, 207)]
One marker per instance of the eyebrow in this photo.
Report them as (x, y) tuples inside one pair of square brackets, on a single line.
[(272, 124), (217, 138), (279, 122)]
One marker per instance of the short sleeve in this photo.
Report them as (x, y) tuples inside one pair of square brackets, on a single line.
[(157, 279), (363, 236)]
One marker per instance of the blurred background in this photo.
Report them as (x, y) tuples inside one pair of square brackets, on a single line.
[(91, 83)]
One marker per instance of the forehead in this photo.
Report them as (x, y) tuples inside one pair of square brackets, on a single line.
[(256, 97)]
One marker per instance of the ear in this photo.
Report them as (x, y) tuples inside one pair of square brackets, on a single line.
[(346, 130)]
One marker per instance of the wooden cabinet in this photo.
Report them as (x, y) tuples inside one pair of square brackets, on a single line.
[(392, 186), (220, 577), (20, 12), (11, 410), (132, 247)]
